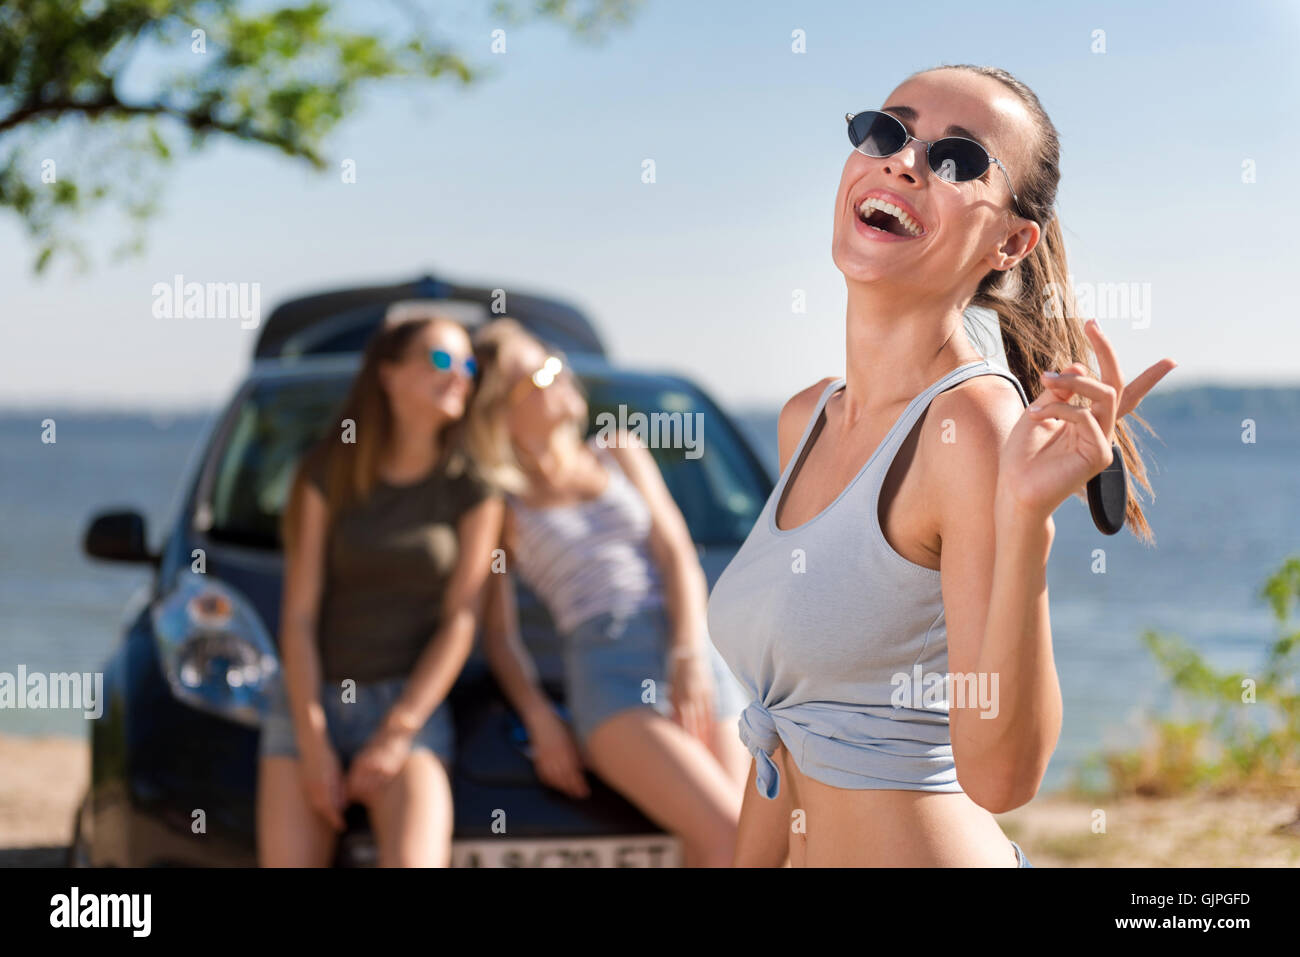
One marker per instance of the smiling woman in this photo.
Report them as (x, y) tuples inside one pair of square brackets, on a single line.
[(908, 535), (388, 535)]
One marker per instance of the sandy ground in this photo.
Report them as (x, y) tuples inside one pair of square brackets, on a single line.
[(42, 779), (41, 782)]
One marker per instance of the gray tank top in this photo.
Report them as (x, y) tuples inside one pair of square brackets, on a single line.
[(831, 632)]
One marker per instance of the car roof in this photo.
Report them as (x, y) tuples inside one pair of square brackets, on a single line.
[(319, 322)]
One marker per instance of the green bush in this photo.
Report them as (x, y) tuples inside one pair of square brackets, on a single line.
[(1245, 732)]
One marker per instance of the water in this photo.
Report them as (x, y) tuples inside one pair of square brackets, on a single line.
[(1225, 517)]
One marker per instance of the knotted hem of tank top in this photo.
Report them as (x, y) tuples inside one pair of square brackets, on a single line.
[(922, 760), (759, 734)]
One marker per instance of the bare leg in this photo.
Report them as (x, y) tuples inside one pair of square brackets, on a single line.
[(413, 818), (290, 833), (673, 778)]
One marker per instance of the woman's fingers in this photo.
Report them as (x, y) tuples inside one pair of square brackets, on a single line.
[(1104, 400), (576, 785), (563, 774), (329, 809), (1107, 361), (1076, 414), (552, 774), (1136, 390), (1058, 391), (577, 781), (1108, 364)]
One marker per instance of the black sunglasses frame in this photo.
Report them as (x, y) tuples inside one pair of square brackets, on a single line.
[(908, 137)]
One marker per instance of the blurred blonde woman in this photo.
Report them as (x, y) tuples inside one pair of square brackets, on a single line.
[(387, 545), (594, 532)]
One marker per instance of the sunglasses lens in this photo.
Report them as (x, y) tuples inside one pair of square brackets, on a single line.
[(956, 160), (876, 133), (441, 359), (547, 374), (471, 367)]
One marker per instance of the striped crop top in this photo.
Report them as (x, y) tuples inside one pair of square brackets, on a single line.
[(588, 558), (827, 627)]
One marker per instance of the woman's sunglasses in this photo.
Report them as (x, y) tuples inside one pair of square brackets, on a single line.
[(543, 378), (954, 159), (442, 359)]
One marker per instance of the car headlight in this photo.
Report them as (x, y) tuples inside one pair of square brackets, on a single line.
[(214, 649)]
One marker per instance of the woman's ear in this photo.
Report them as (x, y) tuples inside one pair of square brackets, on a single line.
[(1016, 245), (1027, 236)]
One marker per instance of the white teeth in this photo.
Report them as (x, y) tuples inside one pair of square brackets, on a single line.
[(909, 224)]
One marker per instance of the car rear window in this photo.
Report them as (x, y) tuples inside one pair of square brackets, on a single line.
[(714, 478)]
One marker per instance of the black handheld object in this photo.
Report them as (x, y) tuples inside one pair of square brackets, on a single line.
[(1108, 494)]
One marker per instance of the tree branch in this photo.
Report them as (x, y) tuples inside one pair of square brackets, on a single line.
[(200, 123)]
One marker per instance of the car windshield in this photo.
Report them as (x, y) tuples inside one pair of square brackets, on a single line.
[(714, 478)]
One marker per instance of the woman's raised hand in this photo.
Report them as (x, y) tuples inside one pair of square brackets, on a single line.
[(1056, 447)]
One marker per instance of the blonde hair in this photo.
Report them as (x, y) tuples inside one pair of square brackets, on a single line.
[(487, 428)]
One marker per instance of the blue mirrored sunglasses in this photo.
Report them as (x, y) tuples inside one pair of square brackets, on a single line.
[(442, 359)]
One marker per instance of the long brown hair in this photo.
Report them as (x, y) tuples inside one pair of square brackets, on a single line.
[(1041, 328), (351, 469)]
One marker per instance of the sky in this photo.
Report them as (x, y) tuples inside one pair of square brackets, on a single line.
[(532, 179)]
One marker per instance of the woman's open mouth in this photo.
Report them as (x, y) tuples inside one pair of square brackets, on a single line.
[(883, 217)]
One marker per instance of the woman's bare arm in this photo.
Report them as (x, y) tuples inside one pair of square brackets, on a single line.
[(304, 573), (554, 751), (438, 666), (511, 664), (993, 569)]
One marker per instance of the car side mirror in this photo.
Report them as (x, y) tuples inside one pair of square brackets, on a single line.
[(118, 537)]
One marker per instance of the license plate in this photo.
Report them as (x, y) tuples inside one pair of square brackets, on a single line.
[(632, 851)]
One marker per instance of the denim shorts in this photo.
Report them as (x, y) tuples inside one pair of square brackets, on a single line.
[(352, 724), (609, 658), (1024, 861)]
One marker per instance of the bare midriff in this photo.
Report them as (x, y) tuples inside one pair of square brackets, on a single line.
[(841, 827)]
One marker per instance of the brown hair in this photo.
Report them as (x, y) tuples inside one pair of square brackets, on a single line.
[(487, 432), (351, 469), (1041, 328)]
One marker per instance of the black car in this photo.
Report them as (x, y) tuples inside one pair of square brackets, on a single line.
[(174, 757)]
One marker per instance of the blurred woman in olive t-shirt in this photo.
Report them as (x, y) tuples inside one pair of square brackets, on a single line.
[(388, 534)]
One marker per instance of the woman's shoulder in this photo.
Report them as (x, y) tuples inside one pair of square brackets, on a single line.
[(795, 414), (313, 465), (983, 404), (983, 410), (466, 481)]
